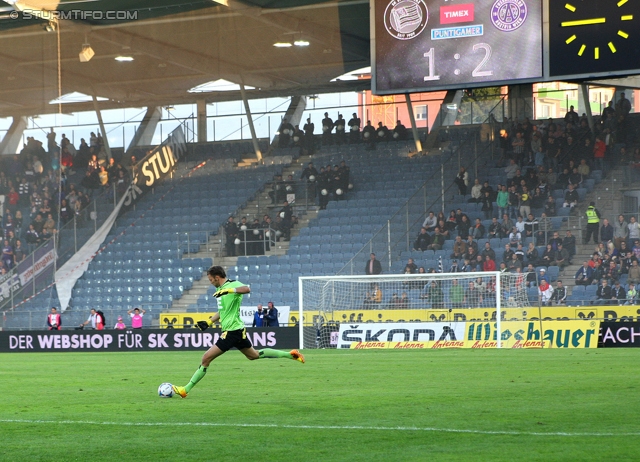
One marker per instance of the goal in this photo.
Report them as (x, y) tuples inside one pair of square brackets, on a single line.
[(431, 310)]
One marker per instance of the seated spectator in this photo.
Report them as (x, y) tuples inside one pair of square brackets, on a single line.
[(545, 292), (519, 224), (478, 230), (550, 207), (548, 257), (430, 222), (508, 253), (464, 227), (489, 264), (632, 294), (472, 296), (459, 248), (531, 278), (495, 229), (514, 264), (584, 275), (456, 294), (7, 256), (49, 227), (562, 258), (506, 224), (618, 294), (532, 254), (634, 272), (559, 296), (520, 252), (437, 241), (603, 293), (423, 241), (571, 197), (530, 226), (515, 237), (411, 266), (488, 251), (476, 192), (599, 273), (569, 243), (555, 241)]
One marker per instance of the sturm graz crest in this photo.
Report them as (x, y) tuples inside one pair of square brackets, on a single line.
[(406, 19)]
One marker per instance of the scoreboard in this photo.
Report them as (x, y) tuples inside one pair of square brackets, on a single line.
[(426, 45)]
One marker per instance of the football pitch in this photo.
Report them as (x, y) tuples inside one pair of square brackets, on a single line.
[(467, 405)]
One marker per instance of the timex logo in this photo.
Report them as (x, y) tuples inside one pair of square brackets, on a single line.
[(456, 13)]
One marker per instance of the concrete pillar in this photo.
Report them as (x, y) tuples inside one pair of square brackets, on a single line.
[(147, 128), (201, 108), (520, 101), (584, 103), (13, 137), (105, 138), (412, 118), (247, 109)]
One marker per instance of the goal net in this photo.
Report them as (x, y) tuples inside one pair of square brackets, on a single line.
[(436, 310)]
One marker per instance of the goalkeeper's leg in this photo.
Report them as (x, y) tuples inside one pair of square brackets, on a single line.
[(211, 354), (270, 353)]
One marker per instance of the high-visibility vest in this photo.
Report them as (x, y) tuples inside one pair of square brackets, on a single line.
[(592, 216)]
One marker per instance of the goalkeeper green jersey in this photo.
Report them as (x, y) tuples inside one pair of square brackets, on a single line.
[(229, 307)]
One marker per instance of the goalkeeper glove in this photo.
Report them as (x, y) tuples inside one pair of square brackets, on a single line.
[(203, 325), (222, 292)]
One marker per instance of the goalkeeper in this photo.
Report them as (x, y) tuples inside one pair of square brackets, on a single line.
[(229, 295)]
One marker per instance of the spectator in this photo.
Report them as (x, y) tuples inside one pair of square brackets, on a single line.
[(508, 254), (54, 320), (514, 264), (95, 319), (472, 296), (32, 238), (550, 207), (462, 180), (569, 243), (456, 294), (423, 241), (258, 316), (476, 192), (559, 296), (503, 201), (603, 293), (487, 205), (599, 150), (548, 256), (136, 317), (525, 202), (120, 325), (489, 264), (411, 266), (606, 231), (376, 295), (437, 240), (49, 228), (532, 254), (571, 197), (354, 129), (488, 251), (373, 266), (531, 277), (542, 275), (19, 252), (634, 272), (632, 294), (7, 255), (435, 295), (545, 292), (531, 226), (231, 235), (495, 229), (515, 237), (271, 315), (562, 258), (519, 224), (634, 230), (511, 169), (620, 231), (400, 131), (430, 222), (459, 248)]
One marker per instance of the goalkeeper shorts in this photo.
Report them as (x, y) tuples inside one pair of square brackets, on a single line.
[(234, 339)]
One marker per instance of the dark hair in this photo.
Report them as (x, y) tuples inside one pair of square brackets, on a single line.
[(217, 271)]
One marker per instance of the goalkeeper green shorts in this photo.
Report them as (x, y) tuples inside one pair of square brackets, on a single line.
[(234, 339)]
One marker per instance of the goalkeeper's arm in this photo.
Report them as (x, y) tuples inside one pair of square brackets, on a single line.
[(204, 325)]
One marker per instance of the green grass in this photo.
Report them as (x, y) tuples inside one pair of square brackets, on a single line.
[(565, 405)]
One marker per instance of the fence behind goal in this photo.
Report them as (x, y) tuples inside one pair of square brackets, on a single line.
[(338, 311)]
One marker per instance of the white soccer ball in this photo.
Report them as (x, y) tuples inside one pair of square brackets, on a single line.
[(312, 178), (237, 241), (165, 390), (282, 214), (256, 232), (339, 192), (268, 234), (243, 228)]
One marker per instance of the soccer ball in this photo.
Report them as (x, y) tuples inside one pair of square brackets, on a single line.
[(165, 390)]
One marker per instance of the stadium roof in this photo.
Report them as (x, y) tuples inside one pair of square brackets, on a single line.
[(176, 46)]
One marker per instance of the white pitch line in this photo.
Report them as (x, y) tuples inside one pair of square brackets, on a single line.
[(313, 427)]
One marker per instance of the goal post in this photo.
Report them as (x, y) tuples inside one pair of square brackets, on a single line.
[(479, 309)]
